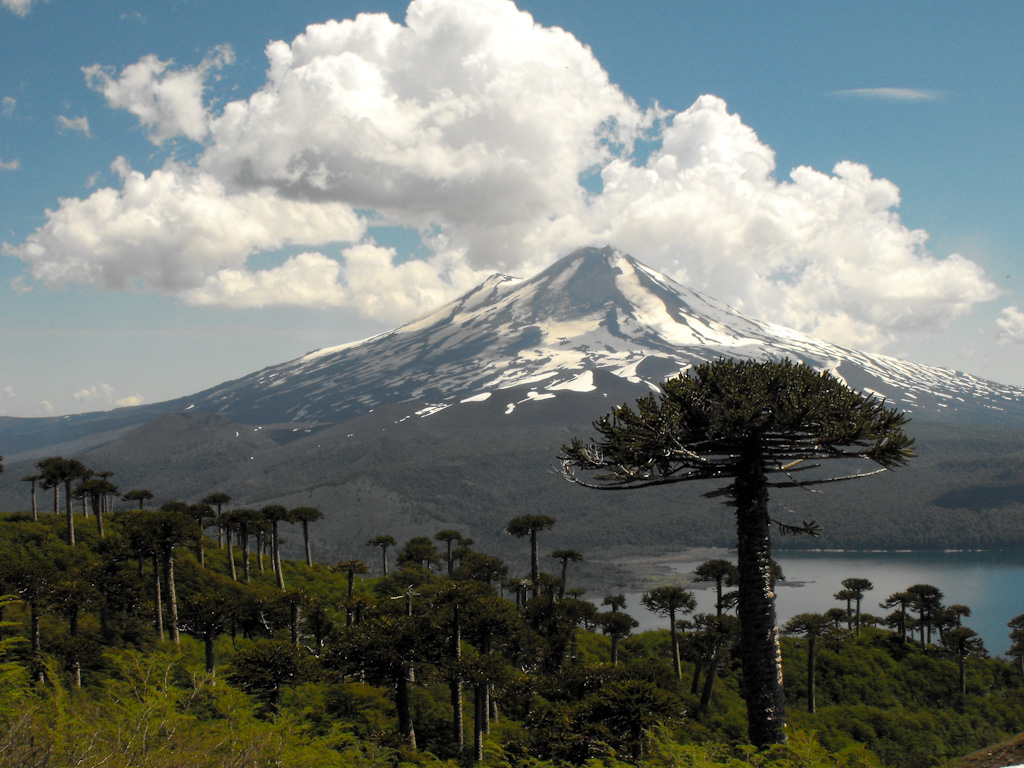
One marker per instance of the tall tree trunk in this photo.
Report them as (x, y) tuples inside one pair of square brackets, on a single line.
[(276, 553), (172, 598), (70, 512), (305, 539), (35, 511), (812, 648), (97, 501), (674, 634), (403, 702), (244, 533), (208, 642), (534, 563), (295, 621), (158, 618), (456, 682), (36, 638), (698, 669), (709, 685), (479, 720), (760, 653), (231, 560)]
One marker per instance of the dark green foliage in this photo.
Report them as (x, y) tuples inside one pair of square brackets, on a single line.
[(741, 424), (337, 698)]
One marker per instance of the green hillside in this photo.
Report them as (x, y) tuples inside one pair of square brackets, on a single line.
[(309, 675)]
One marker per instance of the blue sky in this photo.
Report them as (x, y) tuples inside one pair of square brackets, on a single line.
[(192, 190)]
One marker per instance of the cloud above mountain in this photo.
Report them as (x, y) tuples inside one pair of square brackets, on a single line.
[(475, 125)]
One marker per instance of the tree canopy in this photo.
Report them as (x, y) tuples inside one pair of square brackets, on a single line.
[(742, 423)]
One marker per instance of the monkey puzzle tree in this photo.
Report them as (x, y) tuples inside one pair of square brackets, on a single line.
[(565, 556), (902, 600), (723, 573), (33, 479), (450, 538), (351, 568), (742, 422), (275, 514), (529, 525), (959, 644), (141, 495), (670, 601), (618, 626), (857, 587), (306, 515), (812, 626), (171, 526), (55, 471), (96, 489), (927, 601), (385, 542), (217, 499)]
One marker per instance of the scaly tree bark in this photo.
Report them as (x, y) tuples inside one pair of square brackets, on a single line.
[(740, 422)]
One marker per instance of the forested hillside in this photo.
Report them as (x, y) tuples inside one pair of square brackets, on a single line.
[(157, 646)]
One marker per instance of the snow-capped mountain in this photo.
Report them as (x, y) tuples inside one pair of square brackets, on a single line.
[(455, 420), (594, 313)]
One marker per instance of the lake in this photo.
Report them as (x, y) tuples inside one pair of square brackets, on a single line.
[(990, 583)]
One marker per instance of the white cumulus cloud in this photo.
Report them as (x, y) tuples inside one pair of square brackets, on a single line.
[(17, 7), (102, 395), (368, 278), (1010, 326), (470, 115), (77, 124), (168, 102), (9, 165), (473, 124), (171, 230)]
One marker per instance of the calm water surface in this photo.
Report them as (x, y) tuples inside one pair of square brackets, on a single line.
[(990, 583)]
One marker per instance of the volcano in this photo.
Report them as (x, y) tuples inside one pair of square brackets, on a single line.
[(461, 412)]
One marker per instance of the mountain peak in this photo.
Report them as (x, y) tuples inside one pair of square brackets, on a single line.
[(595, 322), (595, 312)]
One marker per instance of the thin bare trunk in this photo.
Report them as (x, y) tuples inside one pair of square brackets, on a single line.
[(172, 599), (305, 537), (158, 614), (231, 560)]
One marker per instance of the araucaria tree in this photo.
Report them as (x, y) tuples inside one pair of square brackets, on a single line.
[(529, 525), (742, 423)]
